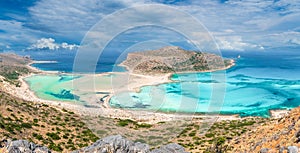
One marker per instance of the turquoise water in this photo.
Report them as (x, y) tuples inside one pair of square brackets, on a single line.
[(260, 81), (257, 83), (247, 96), (80, 89), (53, 87)]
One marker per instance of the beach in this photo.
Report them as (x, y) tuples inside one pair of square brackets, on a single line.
[(126, 82), (121, 82)]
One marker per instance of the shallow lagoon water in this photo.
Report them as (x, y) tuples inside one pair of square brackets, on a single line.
[(53, 87), (259, 82), (244, 95)]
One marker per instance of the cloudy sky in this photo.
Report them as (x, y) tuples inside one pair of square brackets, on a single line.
[(235, 25)]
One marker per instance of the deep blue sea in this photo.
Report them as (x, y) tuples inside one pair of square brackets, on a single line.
[(260, 81), (64, 60)]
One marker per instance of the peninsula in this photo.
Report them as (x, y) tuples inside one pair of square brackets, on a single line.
[(174, 59)]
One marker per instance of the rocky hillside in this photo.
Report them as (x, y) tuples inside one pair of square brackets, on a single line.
[(109, 144), (247, 135), (277, 135), (12, 66), (173, 59), (58, 129)]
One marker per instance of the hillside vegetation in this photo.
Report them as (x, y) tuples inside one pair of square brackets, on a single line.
[(58, 129), (12, 66), (277, 135)]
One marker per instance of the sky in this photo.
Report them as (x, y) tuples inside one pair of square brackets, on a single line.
[(238, 25)]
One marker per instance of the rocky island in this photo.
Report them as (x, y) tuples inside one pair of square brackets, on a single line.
[(174, 59)]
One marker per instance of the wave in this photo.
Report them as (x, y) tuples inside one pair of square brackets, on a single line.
[(43, 62)]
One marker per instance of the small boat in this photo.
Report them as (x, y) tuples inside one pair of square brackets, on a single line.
[(239, 56)]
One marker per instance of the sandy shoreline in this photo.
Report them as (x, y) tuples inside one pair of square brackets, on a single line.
[(103, 109)]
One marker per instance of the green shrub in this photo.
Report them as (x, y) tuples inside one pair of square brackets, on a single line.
[(220, 141), (35, 120), (26, 125), (8, 109), (55, 147), (37, 136), (209, 135), (140, 140), (192, 134), (53, 136), (125, 122), (144, 125)]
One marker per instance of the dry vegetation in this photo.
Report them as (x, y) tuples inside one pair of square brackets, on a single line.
[(155, 135), (189, 134), (274, 135), (218, 135), (12, 66), (59, 130)]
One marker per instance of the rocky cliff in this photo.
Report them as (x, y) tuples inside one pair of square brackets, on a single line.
[(173, 59), (111, 144)]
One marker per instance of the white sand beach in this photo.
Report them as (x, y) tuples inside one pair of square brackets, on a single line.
[(122, 82)]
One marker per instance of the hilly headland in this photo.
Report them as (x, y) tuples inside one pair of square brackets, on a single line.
[(174, 59)]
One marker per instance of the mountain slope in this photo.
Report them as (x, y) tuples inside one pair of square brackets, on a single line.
[(274, 136), (58, 129)]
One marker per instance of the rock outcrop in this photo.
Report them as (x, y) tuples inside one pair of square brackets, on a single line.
[(111, 144), (114, 144), (21, 146), (170, 148)]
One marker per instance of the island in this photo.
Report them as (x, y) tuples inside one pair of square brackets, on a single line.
[(173, 59)]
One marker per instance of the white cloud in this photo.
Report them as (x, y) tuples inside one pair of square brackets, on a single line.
[(240, 25), (291, 38), (49, 43), (247, 25), (70, 19), (14, 34), (235, 43), (45, 43), (65, 45)]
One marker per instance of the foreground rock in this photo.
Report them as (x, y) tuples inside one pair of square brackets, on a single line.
[(22, 146), (111, 144), (114, 144), (121, 145)]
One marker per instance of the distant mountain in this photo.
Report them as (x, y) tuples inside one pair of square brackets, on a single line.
[(173, 59)]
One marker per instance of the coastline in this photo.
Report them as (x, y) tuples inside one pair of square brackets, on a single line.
[(104, 109), (232, 63)]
